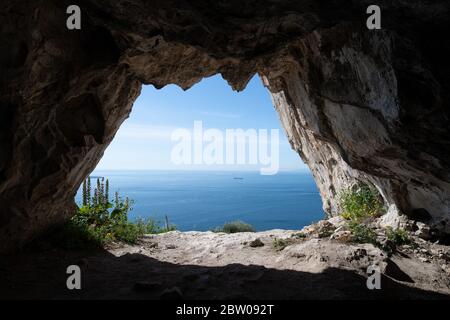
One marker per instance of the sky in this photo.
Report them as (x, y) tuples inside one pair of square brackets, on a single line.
[(144, 141)]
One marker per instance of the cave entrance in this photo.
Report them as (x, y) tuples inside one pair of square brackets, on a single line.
[(203, 191)]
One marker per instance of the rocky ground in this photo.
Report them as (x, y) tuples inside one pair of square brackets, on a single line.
[(275, 264)]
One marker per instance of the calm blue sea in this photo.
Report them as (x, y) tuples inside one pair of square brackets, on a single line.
[(202, 200)]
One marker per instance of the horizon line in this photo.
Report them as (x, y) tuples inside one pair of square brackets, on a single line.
[(196, 170)]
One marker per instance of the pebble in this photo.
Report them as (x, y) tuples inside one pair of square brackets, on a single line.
[(256, 243)]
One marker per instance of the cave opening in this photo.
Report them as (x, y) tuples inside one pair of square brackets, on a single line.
[(358, 105), (224, 181)]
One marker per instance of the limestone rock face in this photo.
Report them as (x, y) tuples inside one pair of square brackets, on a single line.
[(357, 104), (347, 108)]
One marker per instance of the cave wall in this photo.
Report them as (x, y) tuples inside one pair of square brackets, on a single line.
[(345, 103), (63, 96), (357, 105)]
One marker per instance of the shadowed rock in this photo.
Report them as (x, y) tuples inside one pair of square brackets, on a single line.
[(357, 105)]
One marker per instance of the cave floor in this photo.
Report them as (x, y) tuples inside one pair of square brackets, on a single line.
[(206, 265)]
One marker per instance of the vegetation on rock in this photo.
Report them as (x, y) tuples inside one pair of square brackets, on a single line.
[(299, 235), (280, 244), (100, 221), (235, 226), (362, 233), (360, 202), (395, 238)]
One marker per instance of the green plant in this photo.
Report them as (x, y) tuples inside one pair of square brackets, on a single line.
[(362, 233), (299, 235), (235, 226), (396, 238), (280, 244), (74, 236), (98, 221), (360, 202)]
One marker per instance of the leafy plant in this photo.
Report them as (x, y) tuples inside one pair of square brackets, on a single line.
[(235, 226), (362, 233), (99, 221), (360, 202), (396, 238)]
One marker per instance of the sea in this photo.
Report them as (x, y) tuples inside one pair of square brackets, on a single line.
[(203, 200)]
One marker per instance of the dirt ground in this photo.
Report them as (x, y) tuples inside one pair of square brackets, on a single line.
[(207, 265)]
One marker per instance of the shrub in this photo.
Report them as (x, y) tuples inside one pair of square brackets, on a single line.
[(396, 238), (74, 236), (299, 235), (360, 202), (362, 233), (235, 226), (99, 221)]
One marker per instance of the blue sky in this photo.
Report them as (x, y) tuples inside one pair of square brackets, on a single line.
[(143, 142)]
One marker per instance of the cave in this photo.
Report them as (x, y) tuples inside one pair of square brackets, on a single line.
[(358, 105)]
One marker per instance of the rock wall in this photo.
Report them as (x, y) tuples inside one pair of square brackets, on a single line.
[(356, 104), (364, 107)]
